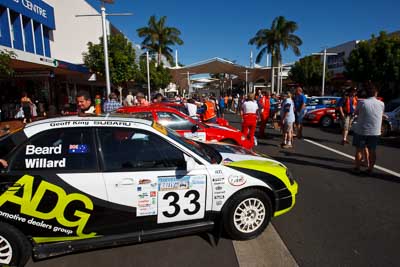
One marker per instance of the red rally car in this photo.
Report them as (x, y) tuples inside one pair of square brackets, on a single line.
[(326, 117), (186, 126)]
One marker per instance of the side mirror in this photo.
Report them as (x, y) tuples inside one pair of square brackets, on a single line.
[(195, 128), (190, 163)]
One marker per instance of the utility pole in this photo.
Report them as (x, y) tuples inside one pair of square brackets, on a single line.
[(324, 54), (148, 75), (103, 16)]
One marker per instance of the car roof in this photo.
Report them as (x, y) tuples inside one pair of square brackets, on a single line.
[(103, 117)]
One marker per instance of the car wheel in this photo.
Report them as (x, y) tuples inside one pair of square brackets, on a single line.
[(385, 130), (15, 249), (326, 122), (247, 214)]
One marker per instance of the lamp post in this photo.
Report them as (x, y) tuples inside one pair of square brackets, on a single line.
[(103, 15), (324, 54)]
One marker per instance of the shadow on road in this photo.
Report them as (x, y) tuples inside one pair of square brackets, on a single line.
[(293, 154), (376, 175)]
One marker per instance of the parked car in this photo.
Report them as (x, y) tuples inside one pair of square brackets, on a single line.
[(391, 118), (188, 127), (82, 183), (318, 102), (325, 117)]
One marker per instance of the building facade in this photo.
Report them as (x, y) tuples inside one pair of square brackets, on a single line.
[(48, 40)]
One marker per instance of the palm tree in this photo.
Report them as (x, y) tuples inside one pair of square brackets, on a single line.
[(280, 34), (158, 38), (271, 40)]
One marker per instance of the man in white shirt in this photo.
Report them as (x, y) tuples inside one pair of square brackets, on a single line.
[(191, 108), (129, 99), (368, 129), (249, 118), (287, 120)]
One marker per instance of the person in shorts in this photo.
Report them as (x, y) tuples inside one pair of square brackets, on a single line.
[(368, 129), (300, 101), (287, 120), (347, 106)]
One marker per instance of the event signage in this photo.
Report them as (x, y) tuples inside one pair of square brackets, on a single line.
[(37, 10)]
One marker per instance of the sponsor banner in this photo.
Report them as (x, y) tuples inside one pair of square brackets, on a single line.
[(29, 198), (198, 136), (146, 192)]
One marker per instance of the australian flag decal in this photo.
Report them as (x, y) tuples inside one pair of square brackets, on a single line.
[(78, 149)]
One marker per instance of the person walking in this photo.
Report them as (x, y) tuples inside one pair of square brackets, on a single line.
[(368, 129), (264, 104), (221, 104), (112, 104), (249, 117), (287, 120), (26, 104), (347, 106), (300, 101), (209, 111), (272, 110)]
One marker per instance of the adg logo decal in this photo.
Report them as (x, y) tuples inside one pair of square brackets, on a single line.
[(29, 202)]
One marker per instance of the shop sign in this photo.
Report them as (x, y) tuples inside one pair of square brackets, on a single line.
[(37, 10)]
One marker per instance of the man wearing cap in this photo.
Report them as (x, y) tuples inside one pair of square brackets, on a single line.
[(249, 117), (287, 120), (347, 106)]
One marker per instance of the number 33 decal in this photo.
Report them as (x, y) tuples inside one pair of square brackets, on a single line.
[(175, 200), (181, 199)]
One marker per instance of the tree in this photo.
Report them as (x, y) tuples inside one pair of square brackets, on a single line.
[(5, 63), (378, 61), (122, 58), (160, 76), (158, 38), (308, 72), (271, 40)]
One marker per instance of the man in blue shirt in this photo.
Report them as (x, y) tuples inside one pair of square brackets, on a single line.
[(112, 104), (300, 101)]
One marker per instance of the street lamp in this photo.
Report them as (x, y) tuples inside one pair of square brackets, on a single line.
[(324, 54), (105, 43)]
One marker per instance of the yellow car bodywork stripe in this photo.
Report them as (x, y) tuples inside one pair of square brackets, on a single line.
[(41, 240), (273, 168)]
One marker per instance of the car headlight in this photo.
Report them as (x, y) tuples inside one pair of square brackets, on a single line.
[(290, 176), (243, 138)]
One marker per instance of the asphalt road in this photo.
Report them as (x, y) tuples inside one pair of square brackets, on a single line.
[(340, 219), (193, 251)]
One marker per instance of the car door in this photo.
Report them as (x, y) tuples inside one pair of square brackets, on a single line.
[(60, 185), (147, 174), (184, 126)]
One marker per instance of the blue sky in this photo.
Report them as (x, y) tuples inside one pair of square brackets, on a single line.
[(223, 28)]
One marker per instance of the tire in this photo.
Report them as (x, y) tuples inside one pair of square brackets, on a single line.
[(15, 248), (247, 197), (326, 121), (385, 129), (229, 141)]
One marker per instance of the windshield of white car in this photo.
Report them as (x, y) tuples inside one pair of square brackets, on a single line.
[(209, 154)]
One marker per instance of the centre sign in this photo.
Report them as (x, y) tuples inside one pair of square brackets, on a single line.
[(37, 10)]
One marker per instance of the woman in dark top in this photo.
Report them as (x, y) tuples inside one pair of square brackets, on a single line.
[(26, 107)]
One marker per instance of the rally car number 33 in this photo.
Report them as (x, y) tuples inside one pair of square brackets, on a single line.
[(90, 182)]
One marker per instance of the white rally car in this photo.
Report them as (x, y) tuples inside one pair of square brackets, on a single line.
[(78, 183)]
